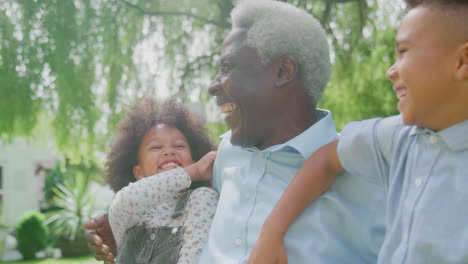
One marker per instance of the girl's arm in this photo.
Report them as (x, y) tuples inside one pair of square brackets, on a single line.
[(201, 208), (312, 180), (131, 204)]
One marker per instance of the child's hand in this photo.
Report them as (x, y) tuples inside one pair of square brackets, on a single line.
[(202, 170), (268, 250)]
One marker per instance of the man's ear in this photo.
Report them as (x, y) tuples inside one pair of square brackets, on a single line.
[(137, 172), (462, 69), (286, 71)]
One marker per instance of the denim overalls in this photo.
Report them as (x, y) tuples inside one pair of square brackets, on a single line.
[(159, 245)]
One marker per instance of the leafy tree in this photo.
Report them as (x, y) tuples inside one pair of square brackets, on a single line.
[(73, 66)]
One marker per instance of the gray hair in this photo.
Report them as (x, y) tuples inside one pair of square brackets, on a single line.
[(277, 29)]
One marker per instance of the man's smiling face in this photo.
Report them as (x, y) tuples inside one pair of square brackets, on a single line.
[(242, 88)]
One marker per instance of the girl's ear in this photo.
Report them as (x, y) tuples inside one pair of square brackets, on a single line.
[(137, 172), (462, 69)]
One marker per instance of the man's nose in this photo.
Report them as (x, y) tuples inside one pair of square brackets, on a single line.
[(392, 73), (215, 86)]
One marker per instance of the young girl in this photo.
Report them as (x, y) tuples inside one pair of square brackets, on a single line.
[(158, 219)]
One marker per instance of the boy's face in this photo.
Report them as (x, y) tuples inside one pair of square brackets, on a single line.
[(424, 74), (162, 148)]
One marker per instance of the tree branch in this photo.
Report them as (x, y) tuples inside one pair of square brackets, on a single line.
[(143, 11), (196, 64), (363, 15), (325, 18)]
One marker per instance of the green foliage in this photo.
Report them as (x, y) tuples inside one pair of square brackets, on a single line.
[(80, 260), (72, 66), (53, 177), (358, 88), (216, 130), (31, 234), (75, 205), (64, 171)]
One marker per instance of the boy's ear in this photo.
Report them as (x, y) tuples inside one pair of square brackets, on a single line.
[(137, 172), (462, 69), (286, 72)]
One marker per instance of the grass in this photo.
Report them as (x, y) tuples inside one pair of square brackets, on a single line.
[(80, 260)]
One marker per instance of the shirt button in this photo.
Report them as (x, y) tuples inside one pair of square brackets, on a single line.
[(417, 182), (153, 236), (433, 139), (238, 242), (404, 237), (247, 196)]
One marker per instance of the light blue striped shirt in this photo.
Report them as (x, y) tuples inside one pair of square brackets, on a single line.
[(346, 225), (426, 176)]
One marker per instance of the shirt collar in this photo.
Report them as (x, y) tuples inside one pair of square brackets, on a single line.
[(320, 133), (455, 136)]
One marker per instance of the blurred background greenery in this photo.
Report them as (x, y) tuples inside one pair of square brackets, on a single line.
[(70, 68)]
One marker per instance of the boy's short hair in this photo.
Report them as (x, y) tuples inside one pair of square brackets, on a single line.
[(414, 3), (457, 11)]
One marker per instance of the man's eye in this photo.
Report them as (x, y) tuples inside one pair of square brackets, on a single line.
[(180, 146), (155, 147)]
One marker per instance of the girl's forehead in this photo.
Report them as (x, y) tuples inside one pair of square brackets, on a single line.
[(163, 131)]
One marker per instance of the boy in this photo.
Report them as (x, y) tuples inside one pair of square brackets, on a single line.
[(420, 157)]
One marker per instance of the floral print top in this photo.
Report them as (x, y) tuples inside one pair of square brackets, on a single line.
[(151, 201)]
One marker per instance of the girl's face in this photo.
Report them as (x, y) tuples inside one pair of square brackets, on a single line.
[(162, 148)]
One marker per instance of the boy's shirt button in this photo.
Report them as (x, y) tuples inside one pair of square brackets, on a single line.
[(433, 139), (404, 237), (417, 182)]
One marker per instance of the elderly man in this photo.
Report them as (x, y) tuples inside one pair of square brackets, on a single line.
[(274, 66)]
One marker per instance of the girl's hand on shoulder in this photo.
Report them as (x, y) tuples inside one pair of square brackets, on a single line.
[(202, 170)]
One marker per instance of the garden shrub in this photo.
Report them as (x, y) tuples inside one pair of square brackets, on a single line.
[(31, 234)]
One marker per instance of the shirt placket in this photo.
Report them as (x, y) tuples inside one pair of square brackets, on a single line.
[(249, 193), (417, 186)]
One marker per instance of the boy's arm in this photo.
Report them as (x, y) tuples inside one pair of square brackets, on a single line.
[(316, 175)]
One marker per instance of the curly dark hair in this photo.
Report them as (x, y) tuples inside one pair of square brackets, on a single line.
[(454, 3), (144, 115)]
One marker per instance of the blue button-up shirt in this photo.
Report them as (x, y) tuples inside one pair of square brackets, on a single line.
[(426, 175), (346, 225)]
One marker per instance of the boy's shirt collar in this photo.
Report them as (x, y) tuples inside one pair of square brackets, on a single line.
[(456, 136)]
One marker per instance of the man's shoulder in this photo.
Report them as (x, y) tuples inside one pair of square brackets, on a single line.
[(225, 146)]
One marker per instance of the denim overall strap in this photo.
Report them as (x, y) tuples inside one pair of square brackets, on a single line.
[(181, 204), (160, 245)]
